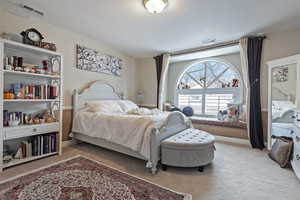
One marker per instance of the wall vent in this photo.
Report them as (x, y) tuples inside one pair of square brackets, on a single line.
[(20, 9), (32, 10)]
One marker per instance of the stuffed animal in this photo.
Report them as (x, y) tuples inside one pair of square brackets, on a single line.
[(233, 113)]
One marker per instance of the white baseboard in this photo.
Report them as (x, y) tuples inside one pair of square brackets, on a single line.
[(68, 143)]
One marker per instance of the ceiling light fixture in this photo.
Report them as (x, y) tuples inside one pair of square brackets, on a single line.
[(155, 6)]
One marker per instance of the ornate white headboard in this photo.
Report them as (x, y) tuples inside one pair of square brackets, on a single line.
[(97, 91)]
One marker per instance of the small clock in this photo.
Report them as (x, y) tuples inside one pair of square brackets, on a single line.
[(32, 37)]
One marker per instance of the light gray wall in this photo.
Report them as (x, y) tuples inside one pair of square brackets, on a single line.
[(147, 80), (66, 41), (176, 69)]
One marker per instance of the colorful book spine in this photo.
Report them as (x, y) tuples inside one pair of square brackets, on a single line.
[(5, 118), (39, 145), (46, 91)]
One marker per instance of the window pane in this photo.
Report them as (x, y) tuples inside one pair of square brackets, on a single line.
[(198, 77), (216, 84), (216, 67), (217, 102), (228, 77), (187, 82), (206, 77), (196, 74), (196, 67), (209, 74), (214, 73), (193, 100)]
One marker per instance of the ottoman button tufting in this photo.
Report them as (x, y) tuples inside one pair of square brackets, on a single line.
[(189, 144)]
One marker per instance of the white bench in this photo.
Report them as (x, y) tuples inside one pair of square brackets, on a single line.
[(189, 148)]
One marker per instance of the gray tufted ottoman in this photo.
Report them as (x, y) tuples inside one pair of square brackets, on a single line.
[(189, 148)]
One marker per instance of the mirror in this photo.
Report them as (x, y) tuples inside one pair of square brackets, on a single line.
[(283, 99)]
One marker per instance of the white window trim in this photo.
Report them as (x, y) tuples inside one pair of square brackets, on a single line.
[(239, 91)]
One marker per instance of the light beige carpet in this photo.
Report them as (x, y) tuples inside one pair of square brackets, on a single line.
[(237, 173)]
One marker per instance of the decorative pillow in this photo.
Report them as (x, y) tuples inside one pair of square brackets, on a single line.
[(127, 105), (188, 111), (281, 151), (106, 106)]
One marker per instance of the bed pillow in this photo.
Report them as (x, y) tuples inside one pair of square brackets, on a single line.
[(106, 106), (127, 105)]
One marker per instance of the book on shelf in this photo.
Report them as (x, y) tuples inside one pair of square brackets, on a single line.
[(45, 91), (39, 145), (22, 91)]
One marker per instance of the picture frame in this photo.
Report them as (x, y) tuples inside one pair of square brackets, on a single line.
[(94, 61)]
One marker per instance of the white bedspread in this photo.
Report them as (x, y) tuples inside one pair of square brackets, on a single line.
[(282, 129), (128, 130), (279, 108)]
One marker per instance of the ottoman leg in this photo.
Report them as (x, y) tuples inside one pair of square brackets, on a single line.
[(201, 169), (164, 167)]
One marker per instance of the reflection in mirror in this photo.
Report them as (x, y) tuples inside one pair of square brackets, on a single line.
[(283, 99)]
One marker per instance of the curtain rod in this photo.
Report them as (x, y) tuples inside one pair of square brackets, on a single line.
[(204, 48)]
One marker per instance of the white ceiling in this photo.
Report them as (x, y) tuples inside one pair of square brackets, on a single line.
[(127, 26)]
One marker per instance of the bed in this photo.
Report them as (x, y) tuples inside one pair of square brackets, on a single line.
[(282, 129), (282, 111), (131, 133)]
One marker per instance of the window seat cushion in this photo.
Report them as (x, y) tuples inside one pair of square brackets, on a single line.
[(216, 122)]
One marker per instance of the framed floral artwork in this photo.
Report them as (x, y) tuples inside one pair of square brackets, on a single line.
[(280, 74), (91, 60)]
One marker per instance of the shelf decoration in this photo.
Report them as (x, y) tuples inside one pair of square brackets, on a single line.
[(47, 67), (55, 63), (12, 119), (91, 60), (34, 37)]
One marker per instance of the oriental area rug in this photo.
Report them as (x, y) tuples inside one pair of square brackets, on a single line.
[(80, 178)]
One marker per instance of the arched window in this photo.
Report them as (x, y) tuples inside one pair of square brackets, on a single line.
[(208, 87)]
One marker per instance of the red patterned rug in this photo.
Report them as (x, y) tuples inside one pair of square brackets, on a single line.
[(83, 179)]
